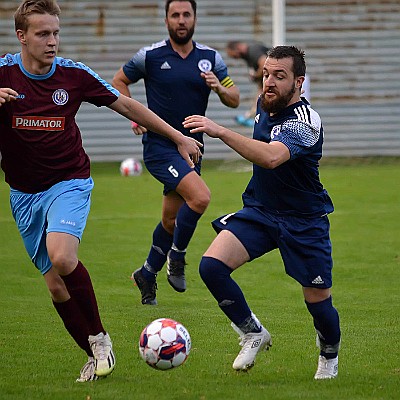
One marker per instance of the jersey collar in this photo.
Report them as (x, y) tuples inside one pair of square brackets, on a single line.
[(33, 76)]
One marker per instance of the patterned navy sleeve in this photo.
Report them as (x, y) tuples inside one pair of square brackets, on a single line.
[(300, 134), (135, 68), (221, 71), (220, 67)]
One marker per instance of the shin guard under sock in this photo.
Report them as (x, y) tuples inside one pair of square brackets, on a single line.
[(326, 323), (185, 225), (80, 288), (162, 241), (217, 277), (75, 323)]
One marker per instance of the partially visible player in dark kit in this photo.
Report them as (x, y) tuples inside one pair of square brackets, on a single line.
[(179, 75)]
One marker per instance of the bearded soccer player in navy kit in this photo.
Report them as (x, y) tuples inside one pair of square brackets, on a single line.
[(285, 208), (179, 75), (49, 172)]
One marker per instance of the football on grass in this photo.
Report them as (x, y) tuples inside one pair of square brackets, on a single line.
[(131, 167), (164, 344)]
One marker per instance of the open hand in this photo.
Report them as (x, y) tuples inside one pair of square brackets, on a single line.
[(199, 123)]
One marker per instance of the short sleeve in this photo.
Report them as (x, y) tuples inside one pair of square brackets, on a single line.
[(300, 134), (135, 68)]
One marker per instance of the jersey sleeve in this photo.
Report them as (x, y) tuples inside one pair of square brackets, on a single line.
[(94, 89), (300, 134), (221, 71), (135, 68)]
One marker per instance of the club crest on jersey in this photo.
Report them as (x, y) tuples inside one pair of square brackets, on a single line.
[(276, 130), (60, 97), (204, 65)]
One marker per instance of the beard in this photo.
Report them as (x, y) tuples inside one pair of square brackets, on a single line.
[(181, 39), (280, 103)]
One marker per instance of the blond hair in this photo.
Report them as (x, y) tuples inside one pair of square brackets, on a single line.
[(29, 7)]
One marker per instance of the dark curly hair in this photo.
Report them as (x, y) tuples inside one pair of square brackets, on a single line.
[(299, 64)]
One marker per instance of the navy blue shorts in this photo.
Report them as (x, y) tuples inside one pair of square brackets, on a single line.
[(304, 243), (170, 168)]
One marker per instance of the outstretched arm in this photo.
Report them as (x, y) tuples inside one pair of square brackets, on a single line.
[(266, 155), (189, 148)]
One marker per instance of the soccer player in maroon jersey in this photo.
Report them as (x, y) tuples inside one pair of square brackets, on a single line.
[(49, 172)]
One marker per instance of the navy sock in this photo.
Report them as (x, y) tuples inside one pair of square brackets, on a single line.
[(162, 241), (326, 323), (217, 277), (185, 225)]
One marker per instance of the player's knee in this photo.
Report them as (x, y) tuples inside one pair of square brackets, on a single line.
[(316, 295), (205, 199), (200, 202), (63, 263)]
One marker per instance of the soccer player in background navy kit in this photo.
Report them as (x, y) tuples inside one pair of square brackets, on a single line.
[(49, 172), (285, 208), (179, 75)]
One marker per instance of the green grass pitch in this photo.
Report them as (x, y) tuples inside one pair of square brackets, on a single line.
[(38, 359)]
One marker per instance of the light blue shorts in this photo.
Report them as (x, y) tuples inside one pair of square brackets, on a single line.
[(62, 208)]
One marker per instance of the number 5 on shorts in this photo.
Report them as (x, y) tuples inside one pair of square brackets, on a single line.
[(173, 171)]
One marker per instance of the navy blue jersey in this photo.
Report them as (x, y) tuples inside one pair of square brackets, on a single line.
[(174, 87), (294, 187)]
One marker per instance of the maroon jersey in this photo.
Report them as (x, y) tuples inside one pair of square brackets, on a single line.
[(40, 142)]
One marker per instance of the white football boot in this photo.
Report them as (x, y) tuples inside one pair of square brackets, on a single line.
[(252, 343), (101, 347), (327, 368)]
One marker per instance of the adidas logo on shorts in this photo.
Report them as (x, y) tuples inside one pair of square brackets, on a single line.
[(318, 281)]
